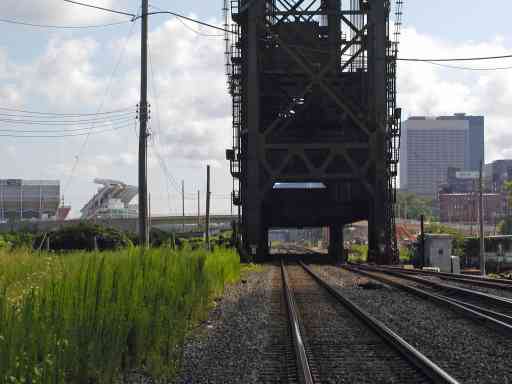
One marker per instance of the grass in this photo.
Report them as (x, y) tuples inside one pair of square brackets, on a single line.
[(88, 317), (251, 267)]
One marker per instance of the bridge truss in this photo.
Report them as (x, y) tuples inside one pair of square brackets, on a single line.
[(314, 103)]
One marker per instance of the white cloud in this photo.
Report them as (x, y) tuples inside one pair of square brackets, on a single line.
[(192, 109), (57, 12), (425, 89)]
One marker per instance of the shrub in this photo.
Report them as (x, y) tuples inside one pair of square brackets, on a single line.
[(358, 253), (82, 237), (16, 240)]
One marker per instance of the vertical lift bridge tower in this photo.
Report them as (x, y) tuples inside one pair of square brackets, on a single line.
[(313, 87)]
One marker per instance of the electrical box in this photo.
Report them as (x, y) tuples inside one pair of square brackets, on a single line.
[(438, 251)]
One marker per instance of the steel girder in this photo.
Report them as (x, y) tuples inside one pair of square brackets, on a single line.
[(313, 94)]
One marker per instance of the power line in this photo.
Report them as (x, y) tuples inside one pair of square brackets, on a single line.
[(187, 26), (107, 93), (195, 31), (467, 68), (457, 59), (189, 19), (67, 114), (121, 122), (134, 16), (27, 24), (29, 121), (88, 133)]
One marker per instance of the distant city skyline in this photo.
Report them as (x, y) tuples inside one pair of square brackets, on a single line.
[(432, 145)]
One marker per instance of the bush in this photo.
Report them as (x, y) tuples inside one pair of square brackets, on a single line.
[(16, 240), (82, 237), (358, 253), (405, 254)]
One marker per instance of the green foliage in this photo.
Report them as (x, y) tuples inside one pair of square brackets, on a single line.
[(471, 245), (16, 240), (505, 226), (358, 253), (81, 237), (413, 206), (458, 237), (405, 254), (161, 238), (250, 267), (87, 317)]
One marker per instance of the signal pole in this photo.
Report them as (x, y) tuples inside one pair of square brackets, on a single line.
[(481, 211), (207, 224), (143, 134)]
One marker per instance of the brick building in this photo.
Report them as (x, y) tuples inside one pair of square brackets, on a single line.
[(463, 207)]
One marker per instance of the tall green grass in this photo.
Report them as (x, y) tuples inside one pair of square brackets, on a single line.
[(87, 318)]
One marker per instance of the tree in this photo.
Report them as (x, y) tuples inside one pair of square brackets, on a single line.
[(412, 206), (506, 224)]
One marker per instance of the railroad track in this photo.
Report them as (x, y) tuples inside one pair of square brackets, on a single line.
[(335, 341), (487, 282), (495, 311)]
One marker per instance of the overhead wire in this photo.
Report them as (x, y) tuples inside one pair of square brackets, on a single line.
[(480, 58), (108, 90), (65, 134), (102, 8), (186, 25), (21, 121), (155, 137), (3, 129), (467, 68), (49, 26), (66, 114)]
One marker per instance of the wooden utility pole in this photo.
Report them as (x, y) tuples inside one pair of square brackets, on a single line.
[(183, 203), (481, 214), (143, 134), (207, 223)]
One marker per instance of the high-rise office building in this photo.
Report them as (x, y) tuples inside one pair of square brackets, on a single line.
[(431, 145)]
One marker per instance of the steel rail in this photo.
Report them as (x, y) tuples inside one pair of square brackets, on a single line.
[(303, 369), (415, 357), (491, 299), (497, 321), (489, 282)]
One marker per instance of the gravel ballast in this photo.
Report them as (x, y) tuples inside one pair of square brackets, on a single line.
[(470, 352), (230, 346)]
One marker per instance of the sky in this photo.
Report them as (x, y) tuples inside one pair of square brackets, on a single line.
[(97, 70)]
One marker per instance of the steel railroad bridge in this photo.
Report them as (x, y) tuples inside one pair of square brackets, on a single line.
[(315, 126)]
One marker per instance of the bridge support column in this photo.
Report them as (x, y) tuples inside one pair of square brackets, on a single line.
[(378, 220), (336, 249), (262, 253)]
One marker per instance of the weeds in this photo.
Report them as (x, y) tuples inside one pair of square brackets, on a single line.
[(87, 318)]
